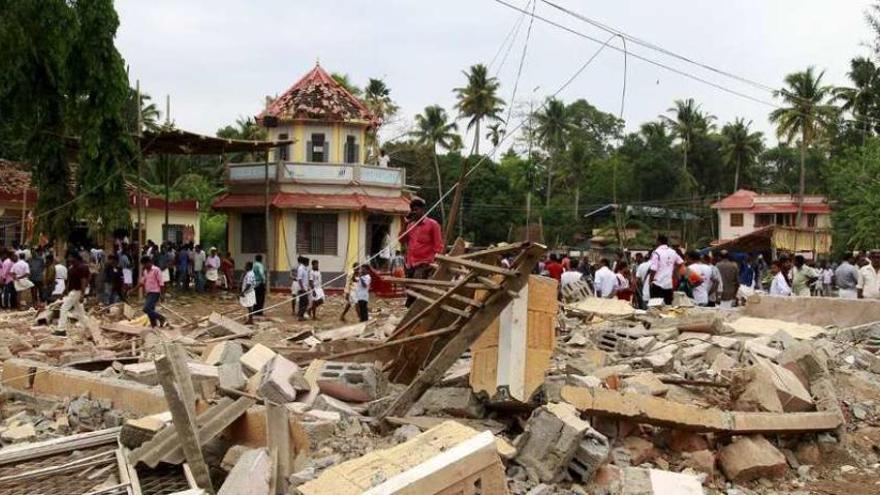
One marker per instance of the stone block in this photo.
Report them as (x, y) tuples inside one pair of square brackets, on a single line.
[(454, 401), (752, 457), (20, 433), (722, 362), (662, 362), (792, 393), (592, 451), (251, 474), (231, 376), (645, 383), (276, 384), (256, 358), (352, 382), (638, 481), (551, 438), (223, 352)]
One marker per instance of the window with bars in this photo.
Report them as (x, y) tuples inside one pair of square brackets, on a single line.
[(736, 220), (253, 233), (352, 150), (283, 151), (317, 148), (316, 233), (173, 233)]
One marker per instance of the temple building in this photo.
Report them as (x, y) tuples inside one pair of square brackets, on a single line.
[(323, 201)]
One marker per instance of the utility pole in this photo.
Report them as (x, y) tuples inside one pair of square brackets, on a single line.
[(167, 229), (530, 170), (140, 172)]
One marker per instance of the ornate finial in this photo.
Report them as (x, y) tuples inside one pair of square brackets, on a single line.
[(317, 61)]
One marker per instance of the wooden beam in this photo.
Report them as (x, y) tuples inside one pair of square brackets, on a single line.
[(180, 396), (476, 265), (468, 334), (278, 442), (516, 246), (458, 297), (424, 312), (432, 283), (393, 343)]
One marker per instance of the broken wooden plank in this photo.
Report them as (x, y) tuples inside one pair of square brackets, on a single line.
[(393, 343), (179, 393), (346, 332), (18, 453), (278, 442), (408, 323), (475, 265), (661, 412), (468, 334)]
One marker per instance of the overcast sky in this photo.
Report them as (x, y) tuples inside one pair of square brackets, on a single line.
[(219, 58)]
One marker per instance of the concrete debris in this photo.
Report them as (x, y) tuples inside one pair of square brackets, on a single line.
[(752, 457), (256, 358), (636, 481), (277, 384), (223, 353), (591, 452), (252, 475), (352, 382), (551, 438), (460, 402)]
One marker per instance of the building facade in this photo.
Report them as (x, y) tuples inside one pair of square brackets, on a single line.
[(18, 198), (744, 212), (324, 202)]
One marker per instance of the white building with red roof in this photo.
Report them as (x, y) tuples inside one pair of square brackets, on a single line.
[(324, 201), (744, 212)]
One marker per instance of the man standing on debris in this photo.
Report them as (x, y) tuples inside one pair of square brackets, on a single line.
[(199, 258), (664, 265), (423, 241), (37, 265), (78, 280), (152, 282), (847, 277), (868, 287), (644, 286), (362, 292), (729, 271), (212, 270), (21, 273), (802, 277), (260, 282), (605, 280), (301, 288)]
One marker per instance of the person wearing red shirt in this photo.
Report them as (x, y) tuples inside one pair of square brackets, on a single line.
[(423, 241), (554, 267)]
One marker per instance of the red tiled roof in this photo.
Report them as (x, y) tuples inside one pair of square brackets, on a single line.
[(752, 201), (303, 201), (317, 96)]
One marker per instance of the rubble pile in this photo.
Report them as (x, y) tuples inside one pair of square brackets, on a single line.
[(521, 395)]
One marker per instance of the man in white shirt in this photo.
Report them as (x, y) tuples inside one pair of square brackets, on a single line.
[(700, 290), (21, 272), (644, 287), (868, 286), (664, 266), (302, 287), (605, 280), (779, 286), (362, 292), (571, 276), (384, 159)]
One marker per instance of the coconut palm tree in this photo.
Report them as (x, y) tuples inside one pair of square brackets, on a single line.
[(346, 83), (805, 115), (495, 133), (377, 97), (433, 129), (688, 122), (739, 146), (860, 100), (552, 125), (479, 100)]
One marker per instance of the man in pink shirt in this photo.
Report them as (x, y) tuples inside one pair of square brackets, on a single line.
[(6, 281), (423, 241), (151, 281)]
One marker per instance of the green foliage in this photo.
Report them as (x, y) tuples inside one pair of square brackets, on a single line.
[(852, 179), (479, 100)]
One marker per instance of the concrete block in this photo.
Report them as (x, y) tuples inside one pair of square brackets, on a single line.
[(352, 382), (792, 393), (231, 376), (21, 433), (223, 352), (146, 372), (255, 359), (276, 384), (460, 402), (752, 457), (645, 383), (662, 362), (637, 481), (551, 438), (250, 476), (591, 452), (232, 456), (328, 403)]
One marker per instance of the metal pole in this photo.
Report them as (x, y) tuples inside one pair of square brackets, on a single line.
[(268, 237), (140, 171), (167, 169), (529, 174)]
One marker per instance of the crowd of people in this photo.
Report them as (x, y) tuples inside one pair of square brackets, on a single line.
[(716, 278)]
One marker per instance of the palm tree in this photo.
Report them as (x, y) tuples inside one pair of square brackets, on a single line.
[(654, 130), (479, 100), (433, 129), (346, 83), (860, 100), (689, 121), (806, 114), (552, 125), (495, 134), (740, 146), (377, 97)]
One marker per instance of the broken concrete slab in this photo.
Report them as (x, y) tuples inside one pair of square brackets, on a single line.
[(139, 430), (221, 325), (449, 458), (460, 402), (352, 382), (327, 403), (552, 435), (231, 376), (793, 396), (256, 358), (638, 481), (645, 383), (252, 475), (661, 412), (223, 352), (146, 372), (276, 384), (752, 457), (17, 434)]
